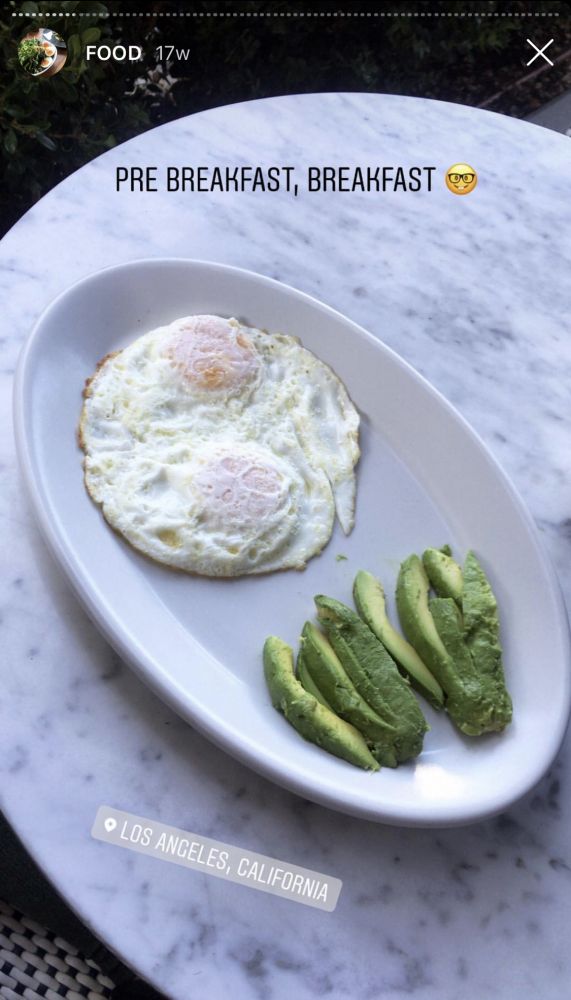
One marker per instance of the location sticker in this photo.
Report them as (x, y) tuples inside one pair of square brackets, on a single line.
[(212, 857)]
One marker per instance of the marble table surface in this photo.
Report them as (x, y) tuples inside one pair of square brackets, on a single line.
[(472, 291)]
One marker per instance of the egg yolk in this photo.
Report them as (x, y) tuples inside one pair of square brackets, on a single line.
[(239, 492), (211, 355)]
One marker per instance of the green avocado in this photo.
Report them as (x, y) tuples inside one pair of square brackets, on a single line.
[(306, 681), (418, 624), (312, 720), (476, 698), (482, 636), (326, 671), (468, 703), (369, 599), (444, 573), (374, 675), (478, 702)]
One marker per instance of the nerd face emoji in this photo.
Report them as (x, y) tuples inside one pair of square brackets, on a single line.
[(461, 178)]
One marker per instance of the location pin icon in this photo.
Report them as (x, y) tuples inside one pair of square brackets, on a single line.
[(110, 824)]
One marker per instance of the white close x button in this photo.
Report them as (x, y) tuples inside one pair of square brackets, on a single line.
[(539, 52)]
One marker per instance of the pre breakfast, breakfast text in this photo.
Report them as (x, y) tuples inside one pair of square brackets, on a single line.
[(270, 179)]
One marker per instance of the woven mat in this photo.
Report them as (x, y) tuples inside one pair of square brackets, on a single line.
[(36, 963)]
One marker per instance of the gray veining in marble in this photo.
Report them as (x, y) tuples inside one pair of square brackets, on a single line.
[(474, 292)]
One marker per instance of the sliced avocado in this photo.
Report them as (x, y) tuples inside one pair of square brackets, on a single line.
[(478, 702), (306, 681), (444, 573), (374, 674), (436, 630), (327, 672), (417, 622), (466, 703), (312, 720), (482, 636), (481, 622), (369, 599)]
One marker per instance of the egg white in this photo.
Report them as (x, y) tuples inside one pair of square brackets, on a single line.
[(220, 449)]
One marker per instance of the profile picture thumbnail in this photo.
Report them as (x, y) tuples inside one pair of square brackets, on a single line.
[(42, 52)]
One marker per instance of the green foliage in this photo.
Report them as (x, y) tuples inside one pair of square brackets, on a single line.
[(50, 127), (30, 55)]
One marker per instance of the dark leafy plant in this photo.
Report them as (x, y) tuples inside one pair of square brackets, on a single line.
[(30, 55), (48, 128)]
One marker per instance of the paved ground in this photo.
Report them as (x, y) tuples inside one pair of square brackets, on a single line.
[(556, 115)]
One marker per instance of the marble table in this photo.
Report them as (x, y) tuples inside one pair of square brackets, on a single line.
[(474, 292)]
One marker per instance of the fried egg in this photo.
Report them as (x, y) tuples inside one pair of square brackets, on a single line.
[(220, 449)]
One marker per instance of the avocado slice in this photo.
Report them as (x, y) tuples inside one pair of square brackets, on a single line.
[(374, 674), (444, 573), (369, 599), (467, 703), (478, 702), (326, 670), (306, 681), (482, 636), (417, 622), (439, 635), (308, 716)]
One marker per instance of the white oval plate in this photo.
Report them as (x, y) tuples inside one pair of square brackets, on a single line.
[(424, 479)]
